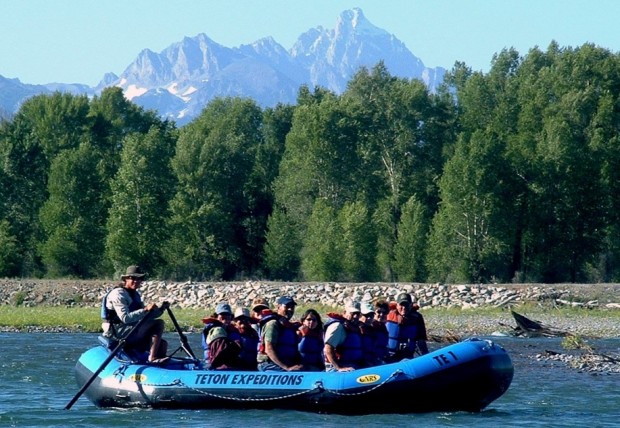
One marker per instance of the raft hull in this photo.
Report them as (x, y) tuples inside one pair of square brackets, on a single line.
[(465, 376)]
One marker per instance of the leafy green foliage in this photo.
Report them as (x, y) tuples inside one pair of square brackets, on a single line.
[(322, 250), (72, 217), (410, 246), (512, 175), (212, 207), (142, 189)]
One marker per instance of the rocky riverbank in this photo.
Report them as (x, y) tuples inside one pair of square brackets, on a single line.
[(208, 294), (444, 299), (445, 321)]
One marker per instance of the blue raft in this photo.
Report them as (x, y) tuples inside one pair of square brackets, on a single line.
[(466, 376)]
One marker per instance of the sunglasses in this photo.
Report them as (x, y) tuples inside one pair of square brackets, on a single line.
[(311, 319)]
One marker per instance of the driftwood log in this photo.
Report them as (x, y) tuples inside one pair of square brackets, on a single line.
[(530, 328)]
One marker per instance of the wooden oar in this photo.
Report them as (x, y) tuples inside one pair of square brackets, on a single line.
[(118, 347)]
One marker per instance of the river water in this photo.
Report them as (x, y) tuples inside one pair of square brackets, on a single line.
[(37, 382)]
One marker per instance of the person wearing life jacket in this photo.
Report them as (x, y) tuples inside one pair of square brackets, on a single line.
[(221, 340), (343, 340), (311, 341), (381, 333), (220, 324), (259, 304), (369, 335), (122, 308), (406, 329), (248, 338), (278, 338)]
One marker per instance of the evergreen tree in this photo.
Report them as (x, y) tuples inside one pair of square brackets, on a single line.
[(282, 248), (322, 251), (409, 249), (358, 243)]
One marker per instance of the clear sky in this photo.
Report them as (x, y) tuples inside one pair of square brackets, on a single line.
[(78, 41)]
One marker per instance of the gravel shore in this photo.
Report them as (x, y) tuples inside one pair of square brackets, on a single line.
[(449, 309), (595, 314)]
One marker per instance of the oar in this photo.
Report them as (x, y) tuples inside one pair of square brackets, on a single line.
[(182, 337), (107, 360)]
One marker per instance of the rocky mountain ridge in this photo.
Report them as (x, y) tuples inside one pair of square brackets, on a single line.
[(179, 81)]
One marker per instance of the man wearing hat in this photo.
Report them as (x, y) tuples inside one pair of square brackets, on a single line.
[(260, 309), (278, 339), (121, 310), (343, 340), (406, 329)]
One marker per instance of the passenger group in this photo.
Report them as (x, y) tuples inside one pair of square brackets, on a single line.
[(363, 335)]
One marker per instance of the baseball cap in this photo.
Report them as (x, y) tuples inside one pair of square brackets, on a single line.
[(223, 308), (403, 297), (285, 300)]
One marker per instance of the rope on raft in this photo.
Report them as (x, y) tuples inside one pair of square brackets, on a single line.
[(318, 387)]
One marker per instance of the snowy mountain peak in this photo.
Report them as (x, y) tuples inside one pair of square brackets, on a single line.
[(182, 79), (355, 20)]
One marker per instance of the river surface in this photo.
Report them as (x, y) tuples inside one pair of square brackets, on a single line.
[(37, 382)]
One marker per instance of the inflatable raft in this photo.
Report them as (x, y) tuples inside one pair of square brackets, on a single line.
[(466, 376)]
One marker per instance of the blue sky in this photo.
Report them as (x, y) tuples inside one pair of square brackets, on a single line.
[(77, 41)]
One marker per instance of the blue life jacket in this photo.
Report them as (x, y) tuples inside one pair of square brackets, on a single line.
[(349, 352), (311, 347), (402, 334), (286, 348), (249, 347), (381, 340), (369, 338)]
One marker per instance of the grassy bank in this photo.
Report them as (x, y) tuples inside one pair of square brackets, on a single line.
[(485, 320)]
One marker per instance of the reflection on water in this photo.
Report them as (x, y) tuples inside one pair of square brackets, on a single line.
[(36, 374)]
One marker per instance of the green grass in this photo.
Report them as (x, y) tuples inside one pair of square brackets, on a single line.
[(77, 318), (87, 319)]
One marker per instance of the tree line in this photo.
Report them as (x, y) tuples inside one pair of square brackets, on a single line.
[(507, 176)]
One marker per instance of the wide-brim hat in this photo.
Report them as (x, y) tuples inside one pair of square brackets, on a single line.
[(259, 304), (133, 271), (242, 313), (352, 307), (216, 333), (366, 308)]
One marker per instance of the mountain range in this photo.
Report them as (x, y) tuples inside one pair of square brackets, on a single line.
[(179, 81)]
